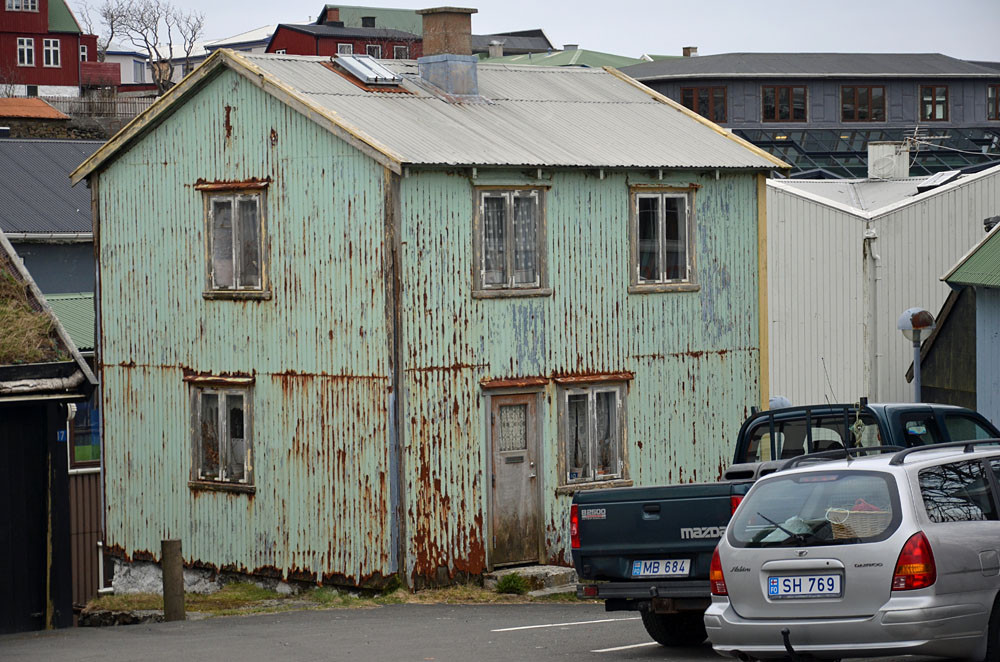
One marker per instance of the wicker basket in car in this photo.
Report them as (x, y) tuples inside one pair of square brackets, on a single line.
[(857, 523)]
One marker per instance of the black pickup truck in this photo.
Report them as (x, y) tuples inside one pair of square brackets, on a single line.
[(648, 549)]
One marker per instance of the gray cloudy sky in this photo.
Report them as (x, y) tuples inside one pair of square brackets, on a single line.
[(965, 29)]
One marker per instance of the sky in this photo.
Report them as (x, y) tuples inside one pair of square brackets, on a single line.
[(965, 29)]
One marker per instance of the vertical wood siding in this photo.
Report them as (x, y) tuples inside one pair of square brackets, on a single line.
[(317, 349), (987, 356), (85, 532), (695, 356)]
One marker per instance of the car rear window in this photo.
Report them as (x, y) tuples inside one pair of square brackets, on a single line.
[(957, 492), (818, 508), (791, 437)]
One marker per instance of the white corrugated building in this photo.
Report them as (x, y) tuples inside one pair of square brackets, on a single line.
[(846, 257)]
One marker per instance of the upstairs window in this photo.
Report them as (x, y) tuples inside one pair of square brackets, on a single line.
[(221, 427), (993, 102), (83, 53), (709, 102), (345, 49), (783, 103), (25, 52), (50, 50), (138, 71), (374, 50), (862, 103), (235, 226), (934, 103), (662, 239), (22, 5), (401, 52), (510, 242)]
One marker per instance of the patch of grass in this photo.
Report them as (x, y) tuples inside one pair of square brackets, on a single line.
[(29, 335), (513, 583)]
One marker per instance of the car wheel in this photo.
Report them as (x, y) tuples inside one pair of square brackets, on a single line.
[(686, 629)]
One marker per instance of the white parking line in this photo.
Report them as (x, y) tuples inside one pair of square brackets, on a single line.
[(559, 625), (621, 648)]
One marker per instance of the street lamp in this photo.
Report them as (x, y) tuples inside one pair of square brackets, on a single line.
[(913, 322)]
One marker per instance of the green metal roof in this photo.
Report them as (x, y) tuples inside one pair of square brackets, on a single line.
[(76, 313), (981, 266), (61, 18), (406, 20), (574, 58)]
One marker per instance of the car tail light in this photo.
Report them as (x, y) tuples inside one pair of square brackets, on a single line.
[(574, 526), (734, 502), (715, 576), (590, 591), (915, 567)]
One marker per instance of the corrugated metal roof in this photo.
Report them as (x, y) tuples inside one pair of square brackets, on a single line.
[(76, 313), (31, 108), (569, 58), (797, 65), (533, 116), (521, 43), (980, 266), (336, 31), (35, 191), (872, 197)]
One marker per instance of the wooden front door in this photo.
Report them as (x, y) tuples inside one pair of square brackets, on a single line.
[(514, 439)]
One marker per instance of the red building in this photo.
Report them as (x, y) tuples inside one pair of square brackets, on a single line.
[(43, 51), (332, 38)]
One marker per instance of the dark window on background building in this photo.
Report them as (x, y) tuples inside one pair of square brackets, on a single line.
[(86, 435), (783, 103), (862, 103), (993, 102), (708, 102), (934, 103)]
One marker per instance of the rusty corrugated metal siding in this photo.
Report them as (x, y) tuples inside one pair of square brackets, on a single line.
[(695, 356), (317, 349)]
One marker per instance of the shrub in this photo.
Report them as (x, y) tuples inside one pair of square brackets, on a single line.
[(512, 583)]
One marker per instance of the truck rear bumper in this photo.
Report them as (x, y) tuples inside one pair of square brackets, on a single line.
[(690, 588)]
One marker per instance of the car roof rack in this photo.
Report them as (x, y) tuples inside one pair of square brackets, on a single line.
[(969, 446), (837, 454)]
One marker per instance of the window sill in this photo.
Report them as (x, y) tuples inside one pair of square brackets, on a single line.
[(595, 485), (512, 293), (238, 295), (651, 288), (210, 486)]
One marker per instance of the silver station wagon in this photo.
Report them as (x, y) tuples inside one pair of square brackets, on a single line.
[(887, 554)]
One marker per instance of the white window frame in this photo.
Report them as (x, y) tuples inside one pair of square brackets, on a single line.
[(566, 473), (281, 51), (241, 285), (25, 52), (83, 52), (662, 281), (511, 285), (374, 50), (22, 5), (50, 53), (345, 49), (223, 392), (401, 52)]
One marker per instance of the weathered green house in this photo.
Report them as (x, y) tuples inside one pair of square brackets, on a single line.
[(358, 322)]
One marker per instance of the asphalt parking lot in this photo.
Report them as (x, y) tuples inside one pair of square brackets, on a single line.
[(421, 633)]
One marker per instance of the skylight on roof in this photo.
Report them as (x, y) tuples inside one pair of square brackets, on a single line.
[(368, 70)]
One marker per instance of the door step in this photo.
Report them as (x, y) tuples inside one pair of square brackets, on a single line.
[(542, 579)]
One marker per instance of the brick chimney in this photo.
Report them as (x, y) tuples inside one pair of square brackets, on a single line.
[(332, 16), (448, 62), (690, 51)]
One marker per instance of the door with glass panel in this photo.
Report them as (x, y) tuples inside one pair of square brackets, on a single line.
[(515, 502)]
